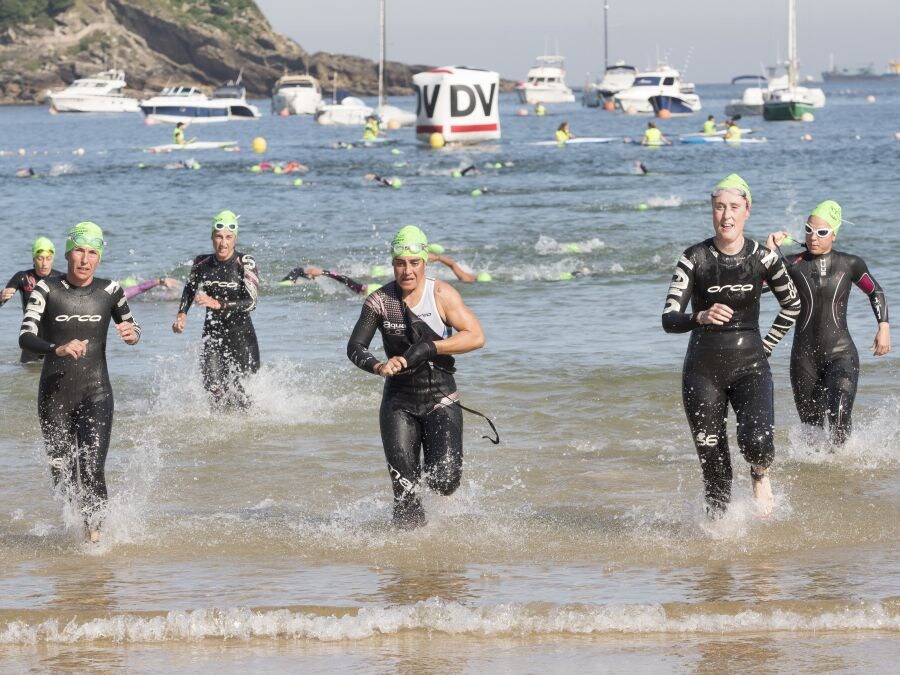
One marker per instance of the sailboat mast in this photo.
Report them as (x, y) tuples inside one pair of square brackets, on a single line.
[(381, 56), (605, 36), (792, 43)]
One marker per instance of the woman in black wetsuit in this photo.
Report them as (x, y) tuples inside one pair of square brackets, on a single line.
[(722, 278), (420, 410), (226, 283), (66, 320), (824, 360)]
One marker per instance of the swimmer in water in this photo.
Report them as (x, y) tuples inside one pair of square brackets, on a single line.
[(727, 359), (381, 180), (421, 416)]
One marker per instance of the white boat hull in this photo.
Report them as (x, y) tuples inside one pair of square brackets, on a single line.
[(296, 101), (107, 104), (389, 113), (349, 112), (534, 95)]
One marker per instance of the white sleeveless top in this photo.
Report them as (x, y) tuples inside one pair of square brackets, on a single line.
[(427, 311)]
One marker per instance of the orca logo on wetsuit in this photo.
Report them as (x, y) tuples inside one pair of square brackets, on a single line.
[(221, 284), (737, 288), (92, 318)]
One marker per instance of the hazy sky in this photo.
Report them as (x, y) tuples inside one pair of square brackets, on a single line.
[(717, 39)]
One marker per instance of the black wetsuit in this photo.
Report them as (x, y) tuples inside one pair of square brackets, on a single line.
[(419, 408), (824, 360), (230, 349), (728, 363), (24, 283), (75, 400)]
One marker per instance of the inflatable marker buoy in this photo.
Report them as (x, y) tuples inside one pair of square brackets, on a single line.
[(259, 145)]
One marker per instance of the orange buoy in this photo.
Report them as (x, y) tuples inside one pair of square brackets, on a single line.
[(663, 113), (609, 105)]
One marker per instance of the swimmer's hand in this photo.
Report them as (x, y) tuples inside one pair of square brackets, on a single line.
[(74, 348), (127, 332), (169, 282), (6, 294), (775, 239), (178, 324), (312, 272), (882, 343), (717, 315), (391, 367), (419, 353), (204, 300)]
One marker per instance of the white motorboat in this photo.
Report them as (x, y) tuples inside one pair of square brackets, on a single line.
[(664, 81), (101, 93), (546, 82), (392, 116), (350, 111), (616, 78), (189, 104), (298, 94)]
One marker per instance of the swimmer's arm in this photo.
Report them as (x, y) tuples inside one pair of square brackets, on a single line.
[(460, 273), (137, 289), (129, 329), (867, 284), (34, 315), (247, 301), (190, 290), (785, 292), (469, 335), (674, 317), (352, 284), (361, 338), (11, 287)]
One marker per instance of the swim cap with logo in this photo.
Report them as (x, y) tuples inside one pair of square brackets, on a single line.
[(410, 241), (42, 244), (734, 183), (225, 220), (830, 212), (85, 234)]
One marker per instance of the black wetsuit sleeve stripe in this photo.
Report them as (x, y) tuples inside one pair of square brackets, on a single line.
[(361, 338), (867, 284), (785, 292), (121, 311), (352, 284), (34, 315), (674, 318), (247, 301)]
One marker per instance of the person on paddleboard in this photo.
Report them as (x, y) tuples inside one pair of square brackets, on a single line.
[(824, 359), (226, 283), (653, 136), (563, 133), (67, 320), (423, 323), (24, 281), (727, 358)]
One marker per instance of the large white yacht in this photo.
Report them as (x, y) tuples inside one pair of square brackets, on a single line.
[(616, 78), (101, 93), (546, 82), (189, 104), (298, 94), (662, 82), (350, 111)]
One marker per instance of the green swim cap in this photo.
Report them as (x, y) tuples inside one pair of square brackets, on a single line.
[(484, 277), (42, 244), (565, 276), (476, 192), (572, 248), (735, 183), (410, 241), (437, 249), (371, 288), (225, 220), (830, 212), (396, 183), (85, 234), (128, 282), (378, 271), (456, 174)]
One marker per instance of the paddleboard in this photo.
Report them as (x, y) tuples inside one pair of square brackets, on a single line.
[(721, 132), (378, 142), (719, 139), (648, 145), (196, 145), (571, 141)]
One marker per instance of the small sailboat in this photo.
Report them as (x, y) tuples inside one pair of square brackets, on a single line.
[(791, 103)]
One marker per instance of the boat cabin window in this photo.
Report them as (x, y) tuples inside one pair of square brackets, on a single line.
[(669, 81), (646, 81)]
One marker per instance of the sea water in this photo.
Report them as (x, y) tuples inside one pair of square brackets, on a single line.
[(263, 540)]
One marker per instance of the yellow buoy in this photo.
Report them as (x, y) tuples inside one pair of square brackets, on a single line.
[(436, 140), (259, 145)]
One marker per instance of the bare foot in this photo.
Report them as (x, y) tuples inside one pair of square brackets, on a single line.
[(762, 494)]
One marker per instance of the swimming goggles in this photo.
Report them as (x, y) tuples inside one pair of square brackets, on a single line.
[(820, 232), (225, 226), (414, 248), (81, 240)]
